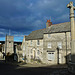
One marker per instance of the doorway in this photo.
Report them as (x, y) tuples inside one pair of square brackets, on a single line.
[(60, 59)]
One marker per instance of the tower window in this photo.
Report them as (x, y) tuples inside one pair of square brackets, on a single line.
[(9, 42)]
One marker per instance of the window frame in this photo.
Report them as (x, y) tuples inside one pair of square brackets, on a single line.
[(38, 42), (59, 44), (49, 36), (49, 45), (51, 56), (31, 42)]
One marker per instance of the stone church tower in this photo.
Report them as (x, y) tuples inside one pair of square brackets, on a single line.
[(9, 45)]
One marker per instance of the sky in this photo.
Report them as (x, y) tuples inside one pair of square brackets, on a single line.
[(21, 17)]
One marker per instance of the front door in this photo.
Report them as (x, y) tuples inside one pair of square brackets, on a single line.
[(34, 54)]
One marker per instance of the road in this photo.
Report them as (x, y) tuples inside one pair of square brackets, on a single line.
[(8, 69)]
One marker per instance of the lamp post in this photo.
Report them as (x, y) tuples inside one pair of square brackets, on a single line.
[(72, 63)]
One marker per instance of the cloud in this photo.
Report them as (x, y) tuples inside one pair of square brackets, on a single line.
[(2, 33), (24, 16)]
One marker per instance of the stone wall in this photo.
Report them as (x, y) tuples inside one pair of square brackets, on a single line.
[(9, 44), (54, 39), (34, 51)]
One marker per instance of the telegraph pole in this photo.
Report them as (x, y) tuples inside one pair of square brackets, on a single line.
[(72, 63)]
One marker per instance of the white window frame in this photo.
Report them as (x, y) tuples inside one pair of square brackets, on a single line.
[(23, 54), (60, 45), (48, 35), (38, 42), (51, 56), (49, 45), (70, 33), (31, 42)]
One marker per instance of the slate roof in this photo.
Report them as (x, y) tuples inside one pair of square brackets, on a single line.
[(38, 34), (56, 28)]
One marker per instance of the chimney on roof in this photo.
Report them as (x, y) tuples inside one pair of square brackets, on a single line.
[(48, 23)]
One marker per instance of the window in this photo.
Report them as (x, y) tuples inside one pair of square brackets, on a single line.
[(48, 35), (31, 56), (9, 42), (38, 42), (60, 45), (31, 50), (51, 56), (23, 54), (49, 45), (69, 56), (70, 33), (38, 52), (31, 42)]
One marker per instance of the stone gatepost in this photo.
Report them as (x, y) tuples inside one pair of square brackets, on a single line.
[(72, 63)]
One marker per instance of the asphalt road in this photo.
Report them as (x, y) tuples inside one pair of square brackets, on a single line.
[(8, 69)]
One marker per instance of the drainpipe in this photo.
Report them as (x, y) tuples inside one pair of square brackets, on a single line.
[(57, 55), (66, 45)]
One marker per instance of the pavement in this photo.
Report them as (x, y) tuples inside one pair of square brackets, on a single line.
[(43, 65)]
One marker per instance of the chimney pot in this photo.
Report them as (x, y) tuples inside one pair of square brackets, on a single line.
[(48, 23)]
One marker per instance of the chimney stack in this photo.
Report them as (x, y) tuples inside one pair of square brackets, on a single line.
[(48, 23)]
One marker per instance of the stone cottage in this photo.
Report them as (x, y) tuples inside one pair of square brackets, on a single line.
[(50, 45)]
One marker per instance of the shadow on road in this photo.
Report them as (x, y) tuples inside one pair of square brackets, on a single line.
[(45, 70), (14, 69)]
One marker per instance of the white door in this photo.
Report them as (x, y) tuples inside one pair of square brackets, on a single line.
[(60, 60)]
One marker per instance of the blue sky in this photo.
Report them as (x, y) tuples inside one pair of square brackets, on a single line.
[(21, 17)]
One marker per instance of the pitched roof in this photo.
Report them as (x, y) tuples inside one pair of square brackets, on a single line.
[(56, 28), (38, 34)]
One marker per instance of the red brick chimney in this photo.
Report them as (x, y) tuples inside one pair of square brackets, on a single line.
[(48, 23)]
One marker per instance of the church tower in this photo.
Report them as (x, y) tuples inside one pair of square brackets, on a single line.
[(9, 45)]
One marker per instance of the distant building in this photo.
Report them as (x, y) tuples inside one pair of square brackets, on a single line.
[(9, 45)]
